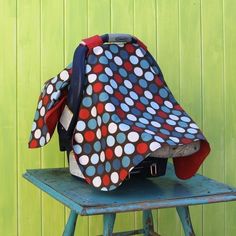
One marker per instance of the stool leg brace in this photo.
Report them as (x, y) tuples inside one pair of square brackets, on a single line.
[(148, 227)]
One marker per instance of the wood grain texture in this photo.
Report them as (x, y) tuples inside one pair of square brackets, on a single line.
[(194, 43)]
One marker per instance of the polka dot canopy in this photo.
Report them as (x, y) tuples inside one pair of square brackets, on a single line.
[(127, 113)]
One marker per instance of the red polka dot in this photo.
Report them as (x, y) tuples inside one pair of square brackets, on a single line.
[(98, 68), (123, 174), (140, 106), (162, 114), (120, 113), (138, 89), (168, 127), (100, 108), (129, 48), (136, 128), (158, 81), (118, 95), (89, 136), (104, 130), (84, 113), (164, 136), (45, 99), (97, 87), (186, 140), (89, 181), (106, 180), (33, 143), (178, 107), (40, 122), (142, 148), (109, 153), (118, 78), (158, 99), (128, 66)]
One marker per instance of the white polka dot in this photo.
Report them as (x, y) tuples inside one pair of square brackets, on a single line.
[(168, 104), (133, 59), (118, 151), (99, 134), (47, 137), (143, 120), (109, 107), (79, 138), (112, 128), (33, 126), (185, 118), (42, 111), (148, 94), (64, 75), (40, 104), (124, 127), (89, 89), (37, 133), (83, 160), (113, 84), (97, 181), (54, 80), (104, 189), (80, 126), (155, 105), (129, 148), (42, 141), (94, 158), (159, 139), (108, 71), (156, 124), (139, 53), (128, 84), (99, 120), (110, 140), (192, 131), (133, 136), (151, 110), (194, 126), (102, 156), (129, 101), (114, 177), (98, 50), (131, 117), (109, 89), (149, 76), (94, 111), (170, 122), (49, 89), (173, 117), (149, 131), (138, 71), (87, 69), (92, 78), (174, 139), (118, 60), (179, 129), (124, 107), (154, 146)]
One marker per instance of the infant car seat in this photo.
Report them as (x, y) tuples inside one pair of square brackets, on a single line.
[(116, 116)]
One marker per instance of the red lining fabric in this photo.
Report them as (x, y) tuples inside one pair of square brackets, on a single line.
[(186, 167)]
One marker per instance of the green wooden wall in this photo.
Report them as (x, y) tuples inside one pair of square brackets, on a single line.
[(194, 42)]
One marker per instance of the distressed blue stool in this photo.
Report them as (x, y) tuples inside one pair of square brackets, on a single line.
[(162, 192)]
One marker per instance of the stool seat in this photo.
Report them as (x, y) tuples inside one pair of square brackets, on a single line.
[(162, 192)]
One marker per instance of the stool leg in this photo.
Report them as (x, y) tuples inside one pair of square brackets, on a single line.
[(184, 215), (148, 224), (108, 223), (70, 225)]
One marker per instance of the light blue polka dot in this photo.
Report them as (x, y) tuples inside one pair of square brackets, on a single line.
[(113, 83), (36, 115), (92, 123), (116, 164), (144, 64), (90, 171), (110, 140), (176, 112), (103, 60), (190, 136), (165, 109), (123, 90), (123, 72), (42, 141), (163, 93), (120, 137), (143, 83), (103, 97), (133, 95), (125, 161), (105, 117), (108, 167), (133, 59), (77, 148), (108, 54), (124, 107), (114, 48), (124, 127), (97, 146), (155, 105), (182, 124), (87, 101), (103, 78), (149, 76), (129, 148), (146, 137), (192, 131), (137, 159)]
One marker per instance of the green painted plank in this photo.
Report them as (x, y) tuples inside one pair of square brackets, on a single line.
[(230, 103), (122, 17), (145, 30), (8, 129), (75, 22), (190, 75), (52, 62), (28, 88), (99, 22), (213, 106), (168, 58)]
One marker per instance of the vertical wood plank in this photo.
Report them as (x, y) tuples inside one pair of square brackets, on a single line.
[(76, 28), (122, 19), (190, 75), (213, 106), (168, 58), (99, 22), (52, 62), (28, 89), (145, 29), (229, 19), (8, 129)]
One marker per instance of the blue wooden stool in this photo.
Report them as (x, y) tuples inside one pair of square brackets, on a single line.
[(162, 192)]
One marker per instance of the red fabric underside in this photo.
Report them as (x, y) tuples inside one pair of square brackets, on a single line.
[(186, 167)]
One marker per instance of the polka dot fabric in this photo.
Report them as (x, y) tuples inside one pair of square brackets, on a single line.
[(128, 112), (50, 104)]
